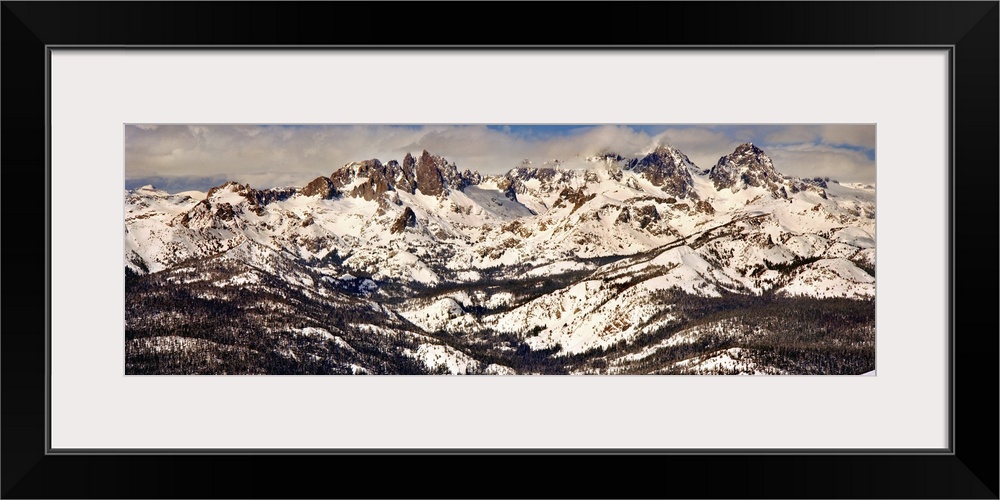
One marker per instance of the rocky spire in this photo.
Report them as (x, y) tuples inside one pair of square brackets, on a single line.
[(748, 166), (668, 169)]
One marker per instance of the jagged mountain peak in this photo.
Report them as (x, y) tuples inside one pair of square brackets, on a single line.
[(748, 156), (663, 148), (666, 154), (429, 173), (228, 187), (749, 166), (407, 219), (224, 203), (748, 148), (321, 186), (235, 193), (667, 168), (426, 156)]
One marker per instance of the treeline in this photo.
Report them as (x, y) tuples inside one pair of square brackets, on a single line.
[(181, 322), (799, 335), (522, 288), (200, 328)]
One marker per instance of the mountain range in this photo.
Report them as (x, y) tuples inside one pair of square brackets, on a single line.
[(636, 265)]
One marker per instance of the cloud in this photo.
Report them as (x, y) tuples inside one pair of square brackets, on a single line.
[(845, 152), (703, 146), (855, 135), (859, 136), (284, 155), (817, 160), (270, 155)]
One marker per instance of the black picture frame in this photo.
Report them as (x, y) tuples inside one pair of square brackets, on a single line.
[(968, 29)]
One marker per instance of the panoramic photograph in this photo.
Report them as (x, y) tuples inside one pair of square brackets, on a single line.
[(507, 249)]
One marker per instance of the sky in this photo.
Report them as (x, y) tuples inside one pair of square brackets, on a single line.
[(183, 157)]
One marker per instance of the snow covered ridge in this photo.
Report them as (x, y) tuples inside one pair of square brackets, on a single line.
[(557, 261)]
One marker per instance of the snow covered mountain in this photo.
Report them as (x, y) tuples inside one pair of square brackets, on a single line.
[(544, 266)]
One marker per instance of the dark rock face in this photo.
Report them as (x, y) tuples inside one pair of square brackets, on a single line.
[(625, 216), (225, 211), (343, 176), (816, 184), (371, 189), (322, 187), (405, 220), (666, 168), (265, 196), (573, 197), (817, 181), (466, 179), (748, 166), (435, 176), (470, 178), (546, 174), (452, 177), (402, 176), (428, 173), (646, 215), (642, 215), (509, 187), (376, 183), (348, 173), (704, 207)]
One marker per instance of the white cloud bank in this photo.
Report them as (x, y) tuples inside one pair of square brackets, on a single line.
[(275, 155)]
